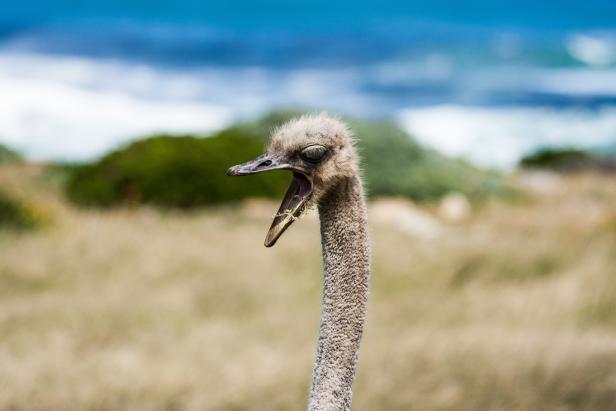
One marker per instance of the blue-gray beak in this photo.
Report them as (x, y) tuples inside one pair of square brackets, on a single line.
[(258, 165)]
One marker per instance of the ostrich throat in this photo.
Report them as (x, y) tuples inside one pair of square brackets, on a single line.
[(346, 271)]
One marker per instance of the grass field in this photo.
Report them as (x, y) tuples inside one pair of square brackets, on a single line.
[(513, 308)]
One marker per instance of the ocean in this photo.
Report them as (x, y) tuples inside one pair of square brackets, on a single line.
[(478, 80)]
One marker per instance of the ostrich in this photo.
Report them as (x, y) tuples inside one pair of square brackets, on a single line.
[(319, 152)]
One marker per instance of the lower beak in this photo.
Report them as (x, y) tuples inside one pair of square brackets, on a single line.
[(295, 200)]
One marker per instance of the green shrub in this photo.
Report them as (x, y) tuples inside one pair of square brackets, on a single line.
[(396, 165), (188, 171), (8, 155), (567, 159), (169, 171), (15, 214)]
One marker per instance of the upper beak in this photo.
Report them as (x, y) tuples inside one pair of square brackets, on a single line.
[(294, 201), (258, 165)]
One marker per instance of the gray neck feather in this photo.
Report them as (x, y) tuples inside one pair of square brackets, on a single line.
[(346, 265)]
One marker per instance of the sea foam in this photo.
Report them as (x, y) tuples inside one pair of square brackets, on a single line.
[(67, 107), (74, 109), (499, 136)]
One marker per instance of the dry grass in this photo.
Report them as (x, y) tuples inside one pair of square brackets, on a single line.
[(514, 309)]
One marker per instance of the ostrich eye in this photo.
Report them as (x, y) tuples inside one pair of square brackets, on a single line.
[(313, 153)]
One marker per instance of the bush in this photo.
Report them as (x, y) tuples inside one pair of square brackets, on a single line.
[(169, 171), (15, 214), (568, 160), (8, 155), (395, 165), (189, 171), (556, 159)]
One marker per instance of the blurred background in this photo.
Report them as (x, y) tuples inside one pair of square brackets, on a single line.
[(132, 271)]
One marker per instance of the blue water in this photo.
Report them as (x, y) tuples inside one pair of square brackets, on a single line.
[(459, 37), (357, 57), (319, 14)]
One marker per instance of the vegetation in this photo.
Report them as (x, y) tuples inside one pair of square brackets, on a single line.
[(189, 171), (15, 214), (8, 155), (396, 165), (173, 172), (138, 309), (568, 160)]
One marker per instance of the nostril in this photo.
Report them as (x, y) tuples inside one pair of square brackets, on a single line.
[(265, 163)]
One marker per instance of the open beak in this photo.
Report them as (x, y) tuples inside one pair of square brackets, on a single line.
[(294, 201)]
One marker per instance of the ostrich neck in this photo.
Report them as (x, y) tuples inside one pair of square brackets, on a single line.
[(346, 265)]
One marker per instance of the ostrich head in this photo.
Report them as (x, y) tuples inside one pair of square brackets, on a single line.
[(318, 150)]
